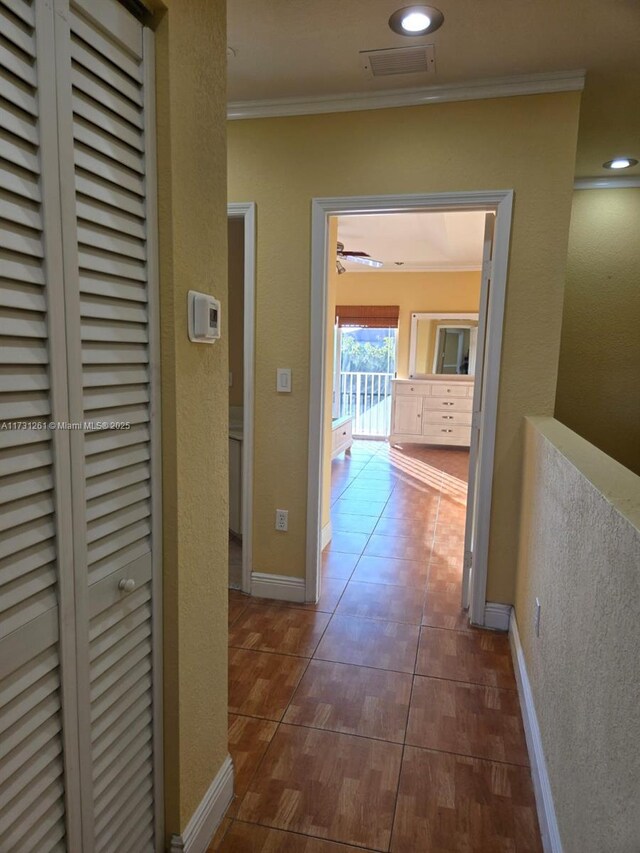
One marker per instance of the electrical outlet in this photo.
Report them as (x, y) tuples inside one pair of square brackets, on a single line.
[(536, 617), (282, 519)]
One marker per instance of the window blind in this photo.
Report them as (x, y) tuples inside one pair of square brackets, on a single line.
[(368, 316)]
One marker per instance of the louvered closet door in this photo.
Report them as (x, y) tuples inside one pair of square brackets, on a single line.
[(105, 101), (37, 737)]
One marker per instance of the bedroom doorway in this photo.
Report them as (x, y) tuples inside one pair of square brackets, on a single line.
[(394, 463)]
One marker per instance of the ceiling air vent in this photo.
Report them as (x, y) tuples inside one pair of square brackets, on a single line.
[(399, 60)]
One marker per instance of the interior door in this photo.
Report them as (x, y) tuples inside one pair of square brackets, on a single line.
[(478, 406), (39, 787), (105, 116)]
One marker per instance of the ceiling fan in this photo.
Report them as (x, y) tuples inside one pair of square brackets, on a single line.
[(358, 257)]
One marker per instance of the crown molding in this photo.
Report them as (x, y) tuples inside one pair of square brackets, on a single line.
[(495, 87), (623, 182)]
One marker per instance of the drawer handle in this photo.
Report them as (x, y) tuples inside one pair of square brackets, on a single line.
[(448, 390), (345, 432), (447, 403), (447, 417), (127, 585), (446, 430)]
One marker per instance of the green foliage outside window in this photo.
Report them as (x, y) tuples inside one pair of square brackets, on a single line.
[(368, 357)]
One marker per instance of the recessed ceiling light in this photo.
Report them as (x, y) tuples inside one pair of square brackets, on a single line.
[(620, 163), (416, 20)]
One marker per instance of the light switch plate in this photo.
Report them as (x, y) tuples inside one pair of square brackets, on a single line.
[(283, 380)]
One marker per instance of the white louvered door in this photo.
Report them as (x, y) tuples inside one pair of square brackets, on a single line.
[(38, 736), (79, 545), (105, 103)]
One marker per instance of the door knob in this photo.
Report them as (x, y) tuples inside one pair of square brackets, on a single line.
[(127, 585)]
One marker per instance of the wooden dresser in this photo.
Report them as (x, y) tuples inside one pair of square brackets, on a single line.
[(432, 411)]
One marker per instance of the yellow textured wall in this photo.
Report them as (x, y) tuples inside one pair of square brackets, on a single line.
[(525, 143), (412, 292), (598, 392), (235, 320), (191, 64)]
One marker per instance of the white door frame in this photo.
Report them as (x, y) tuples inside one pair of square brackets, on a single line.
[(247, 212), (501, 201)]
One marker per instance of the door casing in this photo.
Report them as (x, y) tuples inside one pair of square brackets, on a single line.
[(247, 212), (499, 201)]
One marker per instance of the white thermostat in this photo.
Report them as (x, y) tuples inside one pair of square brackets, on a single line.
[(204, 318)]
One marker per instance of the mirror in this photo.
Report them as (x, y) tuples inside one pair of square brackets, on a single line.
[(443, 344)]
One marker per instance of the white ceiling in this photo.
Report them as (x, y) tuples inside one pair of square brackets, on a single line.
[(296, 48), (422, 241)]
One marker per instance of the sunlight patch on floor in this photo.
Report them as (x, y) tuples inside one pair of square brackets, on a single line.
[(433, 478)]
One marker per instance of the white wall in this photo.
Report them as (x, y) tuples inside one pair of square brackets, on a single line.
[(580, 555)]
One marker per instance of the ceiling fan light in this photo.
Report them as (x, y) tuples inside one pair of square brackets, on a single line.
[(416, 20)]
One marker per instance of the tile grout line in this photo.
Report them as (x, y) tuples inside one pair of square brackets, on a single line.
[(379, 668), (321, 838), (402, 743)]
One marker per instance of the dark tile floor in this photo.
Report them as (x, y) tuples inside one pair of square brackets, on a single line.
[(378, 719)]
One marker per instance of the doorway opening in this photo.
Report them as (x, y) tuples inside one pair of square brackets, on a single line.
[(241, 325), (434, 415)]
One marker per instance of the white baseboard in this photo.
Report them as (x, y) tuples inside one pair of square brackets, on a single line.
[(208, 815), (326, 535), (497, 616), (542, 787), (280, 587)]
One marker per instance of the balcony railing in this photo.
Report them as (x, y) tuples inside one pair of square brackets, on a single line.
[(366, 397)]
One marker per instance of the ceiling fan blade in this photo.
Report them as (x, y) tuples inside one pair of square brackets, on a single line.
[(359, 257), (362, 258)]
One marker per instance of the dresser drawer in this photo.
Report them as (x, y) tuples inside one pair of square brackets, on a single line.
[(448, 404), (441, 389), (419, 389), (451, 434), (450, 417), (341, 434)]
